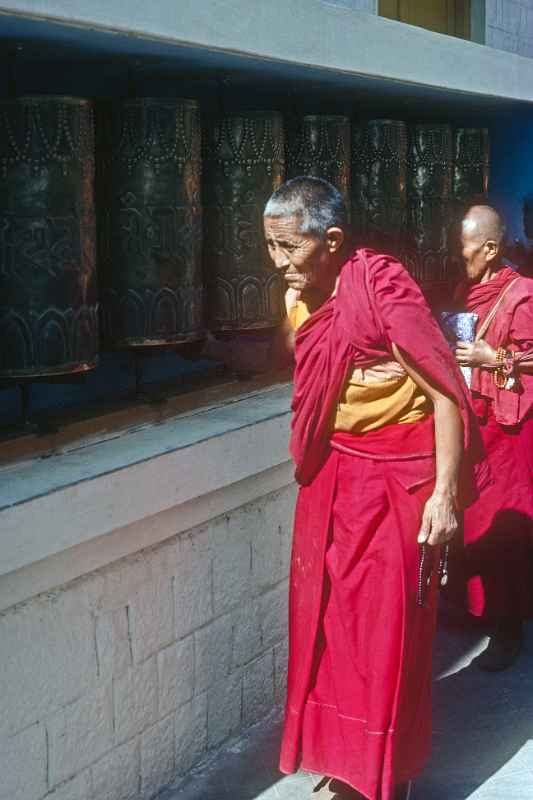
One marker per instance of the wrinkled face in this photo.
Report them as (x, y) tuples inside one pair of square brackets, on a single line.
[(475, 252), (305, 260)]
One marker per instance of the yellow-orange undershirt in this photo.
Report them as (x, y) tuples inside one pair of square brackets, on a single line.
[(368, 400)]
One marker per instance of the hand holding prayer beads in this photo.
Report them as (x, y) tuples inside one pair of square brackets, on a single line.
[(504, 374), (502, 362), (475, 354), (426, 570), (439, 521)]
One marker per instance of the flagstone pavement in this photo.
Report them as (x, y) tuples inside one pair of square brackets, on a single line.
[(483, 737)]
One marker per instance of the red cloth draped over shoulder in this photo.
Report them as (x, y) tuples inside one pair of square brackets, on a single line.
[(377, 303), (511, 327)]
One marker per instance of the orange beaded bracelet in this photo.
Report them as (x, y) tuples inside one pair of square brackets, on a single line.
[(503, 374)]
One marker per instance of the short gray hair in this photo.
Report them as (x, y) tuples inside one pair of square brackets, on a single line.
[(317, 203)]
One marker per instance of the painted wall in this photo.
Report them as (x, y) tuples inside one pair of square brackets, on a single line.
[(370, 6), (509, 26), (502, 24)]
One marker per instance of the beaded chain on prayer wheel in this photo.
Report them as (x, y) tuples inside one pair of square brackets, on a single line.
[(430, 210), (150, 224), (48, 293), (319, 146), (244, 163)]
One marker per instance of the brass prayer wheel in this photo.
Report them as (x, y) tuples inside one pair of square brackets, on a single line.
[(470, 182), (430, 209), (319, 146), (430, 161), (428, 257), (150, 223), (386, 185), (244, 163), (48, 293), (359, 184), (471, 165)]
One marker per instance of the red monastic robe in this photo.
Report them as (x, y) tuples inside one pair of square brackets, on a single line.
[(498, 556), (358, 702)]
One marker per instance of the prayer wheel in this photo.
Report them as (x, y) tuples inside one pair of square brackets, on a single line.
[(244, 163), (430, 157), (150, 224), (470, 182), (48, 293), (359, 184), (387, 185), (430, 209), (471, 166), (319, 146)]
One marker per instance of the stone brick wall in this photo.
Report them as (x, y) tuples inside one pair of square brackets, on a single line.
[(117, 683), (509, 25)]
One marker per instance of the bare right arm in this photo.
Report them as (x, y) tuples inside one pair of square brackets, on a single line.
[(440, 519)]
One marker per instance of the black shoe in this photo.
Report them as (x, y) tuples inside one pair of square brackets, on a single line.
[(504, 647), (404, 791), (333, 789)]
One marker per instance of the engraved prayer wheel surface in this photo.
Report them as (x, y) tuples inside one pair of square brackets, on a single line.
[(48, 293), (471, 165), (244, 163), (430, 209), (387, 185), (430, 161), (319, 146), (427, 253), (470, 182), (150, 227), (359, 183)]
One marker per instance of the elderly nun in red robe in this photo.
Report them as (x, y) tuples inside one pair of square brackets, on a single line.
[(498, 555), (381, 418)]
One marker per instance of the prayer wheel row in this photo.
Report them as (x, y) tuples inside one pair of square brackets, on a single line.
[(410, 187), (152, 224), (180, 242)]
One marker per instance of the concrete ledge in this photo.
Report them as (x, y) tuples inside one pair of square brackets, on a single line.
[(67, 565), (303, 32), (185, 466)]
